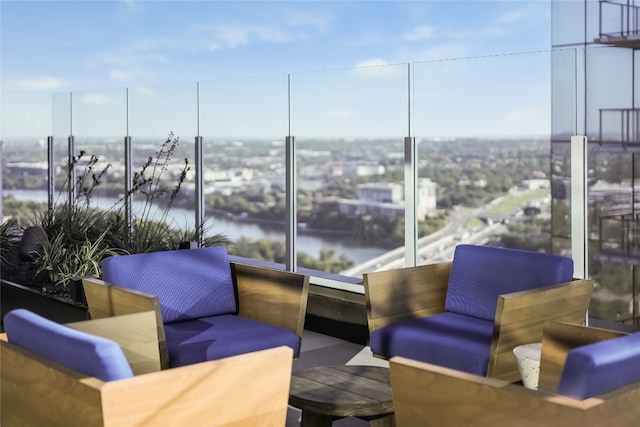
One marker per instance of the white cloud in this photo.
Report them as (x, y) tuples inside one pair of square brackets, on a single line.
[(233, 36), (339, 114), (41, 83), (120, 75), (375, 68), (143, 90), (422, 32), (518, 115), (97, 99), (513, 16)]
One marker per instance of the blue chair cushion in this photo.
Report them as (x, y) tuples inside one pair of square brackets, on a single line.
[(446, 339), (90, 354), (595, 369), (189, 283), (221, 336), (480, 274)]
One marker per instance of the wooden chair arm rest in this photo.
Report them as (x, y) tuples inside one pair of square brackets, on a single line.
[(73, 399), (520, 317), (137, 335), (406, 293), (430, 395), (108, 300), (557, 340), (250, 389), (272, 296)]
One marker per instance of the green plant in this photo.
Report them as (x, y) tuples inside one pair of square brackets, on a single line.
[(61, 262), (9, 234), (79, 236), (150, 230)]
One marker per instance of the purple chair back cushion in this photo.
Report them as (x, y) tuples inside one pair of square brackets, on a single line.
[(480, 274), (90, 354), (595, 369), (189, 283)]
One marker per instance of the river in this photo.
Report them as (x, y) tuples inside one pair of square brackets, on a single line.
[(309, 243)]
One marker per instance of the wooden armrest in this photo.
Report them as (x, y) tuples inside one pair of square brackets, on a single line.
[(37, 391), (558, 339), (250, 389), (521, 315), (430, 395), (406, 293), (137, 335), (107, 300), (272, 296)]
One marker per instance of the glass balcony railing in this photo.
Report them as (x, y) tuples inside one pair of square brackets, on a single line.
[(349, 169), (338, 172)]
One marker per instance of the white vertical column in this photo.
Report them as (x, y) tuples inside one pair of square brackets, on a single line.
[(579, 207), (410, 202), (292, 204)]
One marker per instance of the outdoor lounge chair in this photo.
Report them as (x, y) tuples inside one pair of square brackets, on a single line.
[(589, 377), (469, 313), (207, 307), (105, 373)]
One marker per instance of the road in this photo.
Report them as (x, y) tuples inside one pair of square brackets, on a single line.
[(436, 247)]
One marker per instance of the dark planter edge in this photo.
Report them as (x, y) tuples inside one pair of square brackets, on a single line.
[(14, 295)]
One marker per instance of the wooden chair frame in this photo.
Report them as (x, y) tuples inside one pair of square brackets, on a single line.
[(249, 389), (413, 292), (430, 395), (268, 295)]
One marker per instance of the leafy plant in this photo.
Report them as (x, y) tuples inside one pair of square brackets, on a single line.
[(79, 236), (61, 262), (9, 234)]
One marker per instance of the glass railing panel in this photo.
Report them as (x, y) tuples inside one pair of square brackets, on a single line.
[(244, 124), (99, 126), (568, 24), (483, 126), (61, 131), (163, 124), (613, 297), (349, 126), (26, 123), (561, 197), (608, 90), (564, 98)]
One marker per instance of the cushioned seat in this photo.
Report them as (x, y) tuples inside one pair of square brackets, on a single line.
[(439, 339), (215, 337), (453, 314)]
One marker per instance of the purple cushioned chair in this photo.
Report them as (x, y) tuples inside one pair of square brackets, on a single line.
[(207, 307), (468, 314)]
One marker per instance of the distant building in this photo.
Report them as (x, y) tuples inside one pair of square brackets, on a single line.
[(535, 184), (387, 199)]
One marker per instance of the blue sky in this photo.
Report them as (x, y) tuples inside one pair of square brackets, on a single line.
[(58, 46)]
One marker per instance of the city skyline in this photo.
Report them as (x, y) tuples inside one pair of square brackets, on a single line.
[(95, 48)]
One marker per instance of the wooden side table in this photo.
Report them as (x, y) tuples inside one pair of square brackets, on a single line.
[(327, 393)]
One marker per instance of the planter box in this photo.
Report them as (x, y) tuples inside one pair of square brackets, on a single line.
[(13, 295)]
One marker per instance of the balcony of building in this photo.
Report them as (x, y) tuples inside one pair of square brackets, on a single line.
[(619, 23)]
